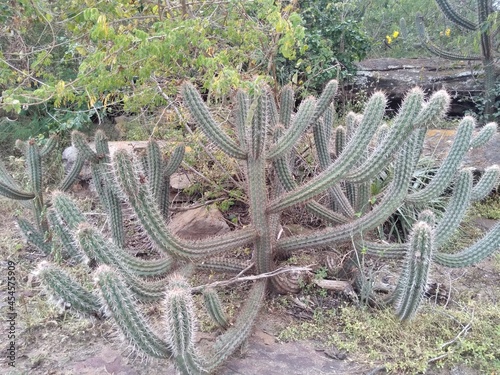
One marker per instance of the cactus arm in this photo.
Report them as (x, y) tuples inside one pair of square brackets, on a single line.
[(483, 248), (154, 169), (455, 209), (78, 140), (67, 210), (120, 304), (287, 103), (96, 246), (302, 120), (325, 99), (214, 307), (260, 121), (373, 115), (204, 119), (66, 237), (393, 198), (12, 192), (241, 114), (175, 160), (180, 325), (406, 119), (403, 125), (411, 285), (448, 168), (435, 50), (286, 179), (454, 17), (49, 146), (150, 217), (73, 174), (484, 135), (231, 340), (63, 287), (321, 142), (115, 214), (489, 180), (34, 237)]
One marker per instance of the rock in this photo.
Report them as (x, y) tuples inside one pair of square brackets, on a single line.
[(199, 223), (398, 76), (438, 143), (180, 180)]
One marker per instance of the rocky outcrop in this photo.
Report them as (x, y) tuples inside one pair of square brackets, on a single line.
[(397, 76)]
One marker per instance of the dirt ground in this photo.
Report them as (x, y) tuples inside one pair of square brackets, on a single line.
[(50, 342)]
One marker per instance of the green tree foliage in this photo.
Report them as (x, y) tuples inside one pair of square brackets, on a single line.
[(88, 56), (334, 39)]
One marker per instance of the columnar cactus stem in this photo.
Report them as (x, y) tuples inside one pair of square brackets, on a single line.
[(120, 304), (354, 149), (413, 280), (150, 217), (449, 166), (64, 288), (201, 114), (393, 198), (214, 307)]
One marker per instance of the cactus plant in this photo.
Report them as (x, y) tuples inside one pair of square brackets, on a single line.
[(485, 26), (266, 134)]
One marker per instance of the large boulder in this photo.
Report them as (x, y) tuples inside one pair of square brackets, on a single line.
[(199, 223), (397, 76)]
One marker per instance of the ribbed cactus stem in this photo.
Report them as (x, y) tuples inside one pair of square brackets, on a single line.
[(34, 236), (64, 288), (66, 238), (325, 99), (286, 179), (240, 331), (49, 146), (413, 281), (300, 123), (448, 168), (204, 119), (79, 141), (214, 307), (340, 140), (73, 173), (393, 198), (151, 219), (240, 115), (287, 102), (67, 209), (434, 109), (455, 210), (96, 246), (483, 248), (175, 160), (336, 171), (454, 16), (155, 169), (180, 325), (261, 120), (120, 304), (13, 192), (489, 180), (401, 128), (484, 135)]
